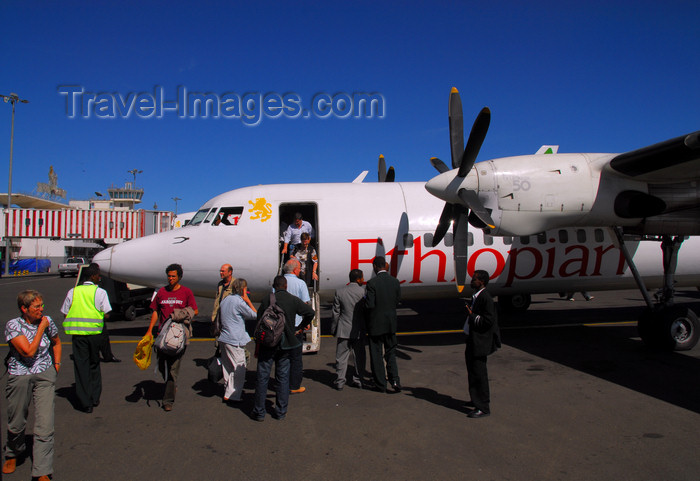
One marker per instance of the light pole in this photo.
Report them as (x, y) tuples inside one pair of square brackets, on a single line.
[(176, 199), (134, 172), (13, 98)]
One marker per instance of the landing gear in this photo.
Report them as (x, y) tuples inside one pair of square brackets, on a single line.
[(670, 328), (130, 313), (515, 302), (663, 324)]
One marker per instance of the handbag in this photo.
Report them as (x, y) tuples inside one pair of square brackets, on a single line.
[(215, 328), (215, 371), (144, 349)]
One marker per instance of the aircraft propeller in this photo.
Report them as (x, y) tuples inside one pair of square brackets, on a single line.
[(463, 159), (383, 174)]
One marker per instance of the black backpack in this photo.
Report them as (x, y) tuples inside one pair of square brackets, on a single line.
[(268, 331)]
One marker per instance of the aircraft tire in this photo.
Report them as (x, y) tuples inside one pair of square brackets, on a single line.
[(682, 327), (674, 328), (130, 313), (515, 302)]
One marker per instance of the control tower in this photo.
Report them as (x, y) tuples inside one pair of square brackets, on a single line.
[(127, 196)]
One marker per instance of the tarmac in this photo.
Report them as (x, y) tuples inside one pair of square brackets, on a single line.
[(575, 396)]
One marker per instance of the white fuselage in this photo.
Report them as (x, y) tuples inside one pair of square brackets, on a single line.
[(354, 222)]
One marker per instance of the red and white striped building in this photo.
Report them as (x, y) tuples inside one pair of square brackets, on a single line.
[(111, 226)]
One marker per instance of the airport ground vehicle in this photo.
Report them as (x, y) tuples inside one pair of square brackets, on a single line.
[(71, 267)]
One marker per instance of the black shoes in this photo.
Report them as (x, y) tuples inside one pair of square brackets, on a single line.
[(396, 386), (112, 359), (477, 413)]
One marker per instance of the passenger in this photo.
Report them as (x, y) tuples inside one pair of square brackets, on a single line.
[(483, 338), (383, 294), (171, 297), (85, 308), (292, 236), (308, 260), (292, 306), (298, 288), (348, 320), (32, 371), (223, 289), (585, 294), (235, 310)]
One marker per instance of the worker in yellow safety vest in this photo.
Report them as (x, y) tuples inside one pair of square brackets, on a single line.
[(85, 308)]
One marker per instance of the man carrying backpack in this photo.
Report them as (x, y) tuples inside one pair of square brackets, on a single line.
[(171, 297), (279, 355)]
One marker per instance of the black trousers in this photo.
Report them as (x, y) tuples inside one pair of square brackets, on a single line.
[(386, 343), (105, 346), (296, 364), (478, 377), (86, 365)]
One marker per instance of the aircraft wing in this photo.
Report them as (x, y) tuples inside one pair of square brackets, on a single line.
[(674, 160)]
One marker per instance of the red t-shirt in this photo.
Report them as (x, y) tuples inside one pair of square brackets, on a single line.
[(167, 301)]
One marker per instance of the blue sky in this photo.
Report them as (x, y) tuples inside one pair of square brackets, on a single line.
[(590, 76)]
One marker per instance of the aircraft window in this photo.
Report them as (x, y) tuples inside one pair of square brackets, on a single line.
[(542, 238), (507, 240), (563, 236), (199, 217), (524, 240), (210, 216), (488, 240), (470, 239), (229, 216), (449, 240), (599, 235), (428, 240), (407, 241), (581, 235)]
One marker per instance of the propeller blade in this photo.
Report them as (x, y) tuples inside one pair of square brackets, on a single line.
[(443, 224), (456, 128), (381, 169), (439, 165), (475, 222), (390, 174), (470, 198), (476, 139), (461, 240)]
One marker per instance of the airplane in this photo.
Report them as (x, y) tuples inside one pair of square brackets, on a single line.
[(542, 223)]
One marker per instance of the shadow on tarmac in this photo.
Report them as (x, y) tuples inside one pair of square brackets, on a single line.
[(619, 357), (148, 390)]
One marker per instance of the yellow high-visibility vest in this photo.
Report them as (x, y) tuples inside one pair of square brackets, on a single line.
[(83, 318)]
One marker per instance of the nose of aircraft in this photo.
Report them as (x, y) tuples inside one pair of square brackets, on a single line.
[(104, 260), (133, 261)]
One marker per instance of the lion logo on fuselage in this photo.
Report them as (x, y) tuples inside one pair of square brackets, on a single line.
[(261, 209)]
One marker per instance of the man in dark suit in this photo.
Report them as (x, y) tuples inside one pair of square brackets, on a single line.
[(483, 338), (383, 294), (279, 355)]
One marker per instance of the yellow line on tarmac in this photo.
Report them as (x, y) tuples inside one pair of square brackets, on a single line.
[(605, 324), (422, 333)]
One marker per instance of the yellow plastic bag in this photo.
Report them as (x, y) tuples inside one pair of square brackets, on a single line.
[(142, 355)]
